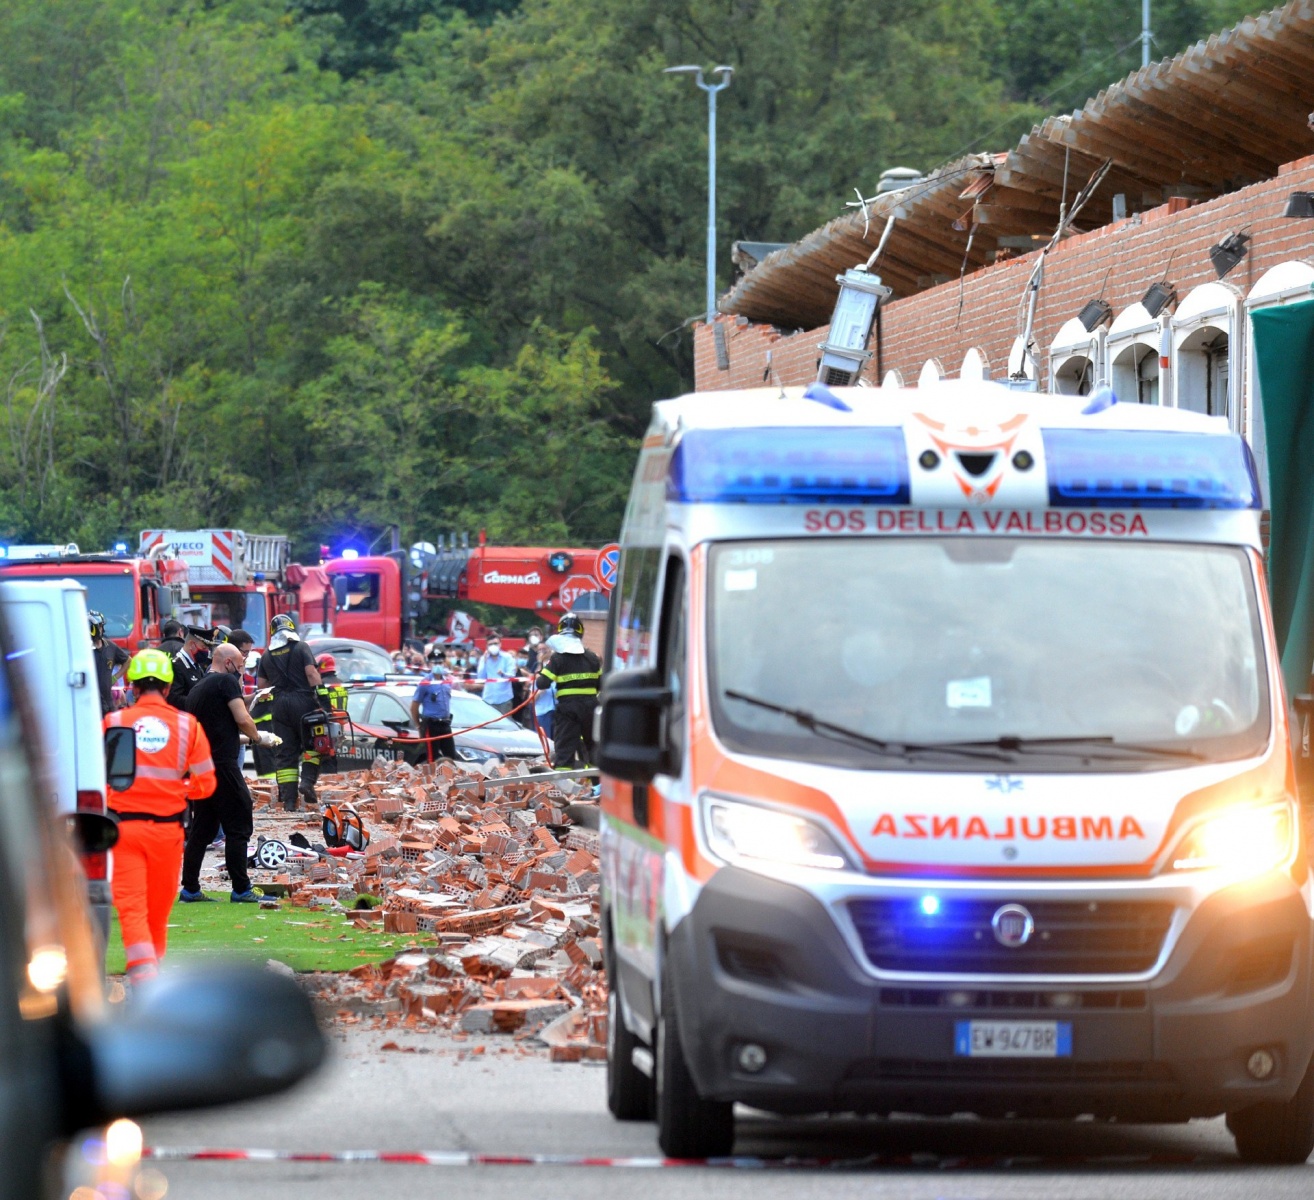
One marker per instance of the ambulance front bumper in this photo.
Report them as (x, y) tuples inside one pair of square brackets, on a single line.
[(762, 962)]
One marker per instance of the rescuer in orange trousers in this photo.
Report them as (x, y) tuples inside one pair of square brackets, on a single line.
[(173, 766)]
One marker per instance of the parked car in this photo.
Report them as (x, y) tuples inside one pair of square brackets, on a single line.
[(52, 651), (356, 660), (380, 727), (188, 1040)]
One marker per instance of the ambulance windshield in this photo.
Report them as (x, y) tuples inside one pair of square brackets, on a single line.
[(1053, 655)]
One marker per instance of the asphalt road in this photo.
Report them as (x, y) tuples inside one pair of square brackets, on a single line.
[(435, 1095)]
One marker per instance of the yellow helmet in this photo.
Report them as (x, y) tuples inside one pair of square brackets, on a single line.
[(150, 664)]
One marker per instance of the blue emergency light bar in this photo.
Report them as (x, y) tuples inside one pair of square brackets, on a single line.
[(798, 465), (1124, 468)]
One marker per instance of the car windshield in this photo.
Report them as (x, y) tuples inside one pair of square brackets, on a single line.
[(356, 661), (1057, 655), (470, 710), (112, 595)]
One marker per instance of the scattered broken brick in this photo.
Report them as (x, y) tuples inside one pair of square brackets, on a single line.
[(492, 888)]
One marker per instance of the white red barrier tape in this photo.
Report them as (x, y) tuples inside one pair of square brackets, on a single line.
[(466, 1158)]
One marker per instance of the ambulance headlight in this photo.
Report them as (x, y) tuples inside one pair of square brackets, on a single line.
[(753, 835), (1243, 841)]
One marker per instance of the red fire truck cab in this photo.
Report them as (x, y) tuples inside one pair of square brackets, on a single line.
[(133, 594), (381, 597)]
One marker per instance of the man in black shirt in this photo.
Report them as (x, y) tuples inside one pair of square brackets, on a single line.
[(288, 666), (110, 658), (218, 705), (171, 637)]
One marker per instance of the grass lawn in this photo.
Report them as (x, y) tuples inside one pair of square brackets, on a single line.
[(301, 937)]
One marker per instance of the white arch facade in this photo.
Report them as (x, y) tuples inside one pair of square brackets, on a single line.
[(975, 365), (1022, 369), (1286, 283), (932, 372), (1207, 357), (1133, 349), (1076, 359), (893, 379)]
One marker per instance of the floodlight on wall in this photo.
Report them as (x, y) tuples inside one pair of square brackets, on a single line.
[(845, 351), (1230, 251), (1094, 314), (1157, 297), (1300, 204)]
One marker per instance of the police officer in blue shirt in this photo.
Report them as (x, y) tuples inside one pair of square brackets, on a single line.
[(431, 712)]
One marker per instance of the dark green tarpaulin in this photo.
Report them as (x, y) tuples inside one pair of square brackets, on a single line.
[(1284, 356)]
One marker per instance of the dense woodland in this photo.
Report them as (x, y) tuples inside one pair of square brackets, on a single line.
[(320, 265)]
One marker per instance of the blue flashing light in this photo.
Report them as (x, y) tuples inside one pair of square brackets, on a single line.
[(120, 547), (1125, 468), (1101, 398), (350, 553), (791, 465), (930, 905), (823, 395)]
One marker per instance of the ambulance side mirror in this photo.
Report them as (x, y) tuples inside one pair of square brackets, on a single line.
[(120, 757), (631, 726)]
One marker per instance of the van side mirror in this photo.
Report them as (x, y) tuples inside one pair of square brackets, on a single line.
[(95, 833), (120, 757), (196, 1038), (631, 726)]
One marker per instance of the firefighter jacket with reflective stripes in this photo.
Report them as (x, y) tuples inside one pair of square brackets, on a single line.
[(573, 674), (173, 758), (332, 696)]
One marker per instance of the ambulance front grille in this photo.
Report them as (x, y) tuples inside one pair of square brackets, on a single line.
[(1070, 937)]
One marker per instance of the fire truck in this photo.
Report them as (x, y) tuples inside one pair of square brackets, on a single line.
[(246, 579), (134, 594), (381, 597)]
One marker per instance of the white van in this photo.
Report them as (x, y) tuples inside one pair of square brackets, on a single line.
[(947, 768), (48, 623)]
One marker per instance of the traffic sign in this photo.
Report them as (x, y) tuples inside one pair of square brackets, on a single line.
[(608, 566), (575, 587)]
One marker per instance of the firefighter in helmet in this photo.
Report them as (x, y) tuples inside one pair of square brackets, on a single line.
[(173, 767), (577, 675), (111, 659), (288, 666), (332, 698)]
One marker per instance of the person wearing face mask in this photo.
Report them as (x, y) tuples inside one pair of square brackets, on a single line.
[(494, 674), (220, 709)]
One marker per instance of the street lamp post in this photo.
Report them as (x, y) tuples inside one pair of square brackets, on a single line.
[(725, 74)]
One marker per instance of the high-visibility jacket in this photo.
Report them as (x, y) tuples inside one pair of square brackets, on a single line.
[(173, 758), (578, 674)]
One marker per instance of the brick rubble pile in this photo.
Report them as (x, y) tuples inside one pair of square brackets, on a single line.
[(493, 886)]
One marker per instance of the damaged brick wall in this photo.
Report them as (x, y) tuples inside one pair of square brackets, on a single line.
[(1121, 260)]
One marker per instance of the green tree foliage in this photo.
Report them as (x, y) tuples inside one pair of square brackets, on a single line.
[(325, 265)]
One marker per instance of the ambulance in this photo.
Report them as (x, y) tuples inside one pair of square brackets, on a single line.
[(947, 768)]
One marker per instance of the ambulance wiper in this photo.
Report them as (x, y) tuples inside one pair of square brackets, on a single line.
[(828, 729), (1083, 745)]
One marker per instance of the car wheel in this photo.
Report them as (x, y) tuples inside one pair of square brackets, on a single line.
[(687, 1125), (1277, 1133), (629, 1090)]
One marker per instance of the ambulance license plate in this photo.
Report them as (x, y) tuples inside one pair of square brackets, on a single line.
[(1013, 1039)]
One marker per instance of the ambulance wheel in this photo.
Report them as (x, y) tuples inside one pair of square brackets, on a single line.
[(687, 1125), (629, 1090), (1277, 1133)]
